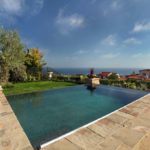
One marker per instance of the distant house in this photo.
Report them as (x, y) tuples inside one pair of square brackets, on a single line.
[(104, 75), (123, 78), (50, 75), (145, 73), (118, 75), (135, 77)]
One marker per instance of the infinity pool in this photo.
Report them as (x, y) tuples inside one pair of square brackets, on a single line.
[(49, 114)]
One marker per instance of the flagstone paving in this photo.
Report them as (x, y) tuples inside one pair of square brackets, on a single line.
[(12, 136), (125, 129)]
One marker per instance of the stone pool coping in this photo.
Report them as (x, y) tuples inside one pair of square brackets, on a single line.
[(12, 135), (127, 128)]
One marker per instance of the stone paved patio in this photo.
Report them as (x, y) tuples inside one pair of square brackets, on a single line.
[(125, 129), (12, 136)]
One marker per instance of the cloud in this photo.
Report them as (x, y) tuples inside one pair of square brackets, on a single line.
[(131, 41), (141, 55), (137, 55), (96, 51), (115, 5), (81, 52), (109, 40), (13, 7), (38, 5), (110, 55), (68, 23), (141, 27)]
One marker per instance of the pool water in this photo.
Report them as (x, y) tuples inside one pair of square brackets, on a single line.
[(49, 114)]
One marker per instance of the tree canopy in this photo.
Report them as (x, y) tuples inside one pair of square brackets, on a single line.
[(16, 63), (113, 76), (11, 54), (34, 63)]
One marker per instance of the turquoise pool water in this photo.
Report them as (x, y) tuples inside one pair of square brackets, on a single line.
[(49, 114)]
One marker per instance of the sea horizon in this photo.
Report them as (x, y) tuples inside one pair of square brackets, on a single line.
[(85, 70)]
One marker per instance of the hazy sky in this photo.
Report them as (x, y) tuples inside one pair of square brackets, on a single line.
[(83, 33)]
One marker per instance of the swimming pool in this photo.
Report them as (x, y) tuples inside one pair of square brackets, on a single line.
[(49, 114)]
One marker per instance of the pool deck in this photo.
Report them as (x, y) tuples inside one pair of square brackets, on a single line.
[(12, 136), (125, 129)]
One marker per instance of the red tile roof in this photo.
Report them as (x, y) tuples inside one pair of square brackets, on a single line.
[(123, 78), (136, 77), (145, 70), (105, 74)]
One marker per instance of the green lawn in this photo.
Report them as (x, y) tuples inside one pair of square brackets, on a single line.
[(28, 87)]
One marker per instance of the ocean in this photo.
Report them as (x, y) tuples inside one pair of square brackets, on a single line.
[(121, 71)]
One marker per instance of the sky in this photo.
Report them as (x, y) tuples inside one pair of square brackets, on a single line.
[(83, 33)]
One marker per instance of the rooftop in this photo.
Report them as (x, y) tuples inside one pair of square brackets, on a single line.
[(145, 70), (135, 76), (105, 74)]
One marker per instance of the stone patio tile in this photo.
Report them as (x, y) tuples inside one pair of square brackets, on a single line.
[(144, 143), (110, 143), (63, 144), (2, 133), (10, 123), (15, 140), (105, 127), (1, 124), (3, 114), (128, 136), (123, 147), (138, 104), (146, 99), (117, 118), (146, 114), (12, 136), (1, 108), (139, 124), (131, 111), (86, 139), (5, 145), (7, 108), (125, 115), (27, 148)]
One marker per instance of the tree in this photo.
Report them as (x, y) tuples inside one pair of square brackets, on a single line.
[(113, 76), (134, 73), (11, 55), (34, 63)]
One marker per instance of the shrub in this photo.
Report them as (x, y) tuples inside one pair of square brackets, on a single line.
[(7, 85), (133, 84)]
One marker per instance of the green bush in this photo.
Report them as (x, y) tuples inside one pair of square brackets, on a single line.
[(7, 85), (148, 85), (133, 84)]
